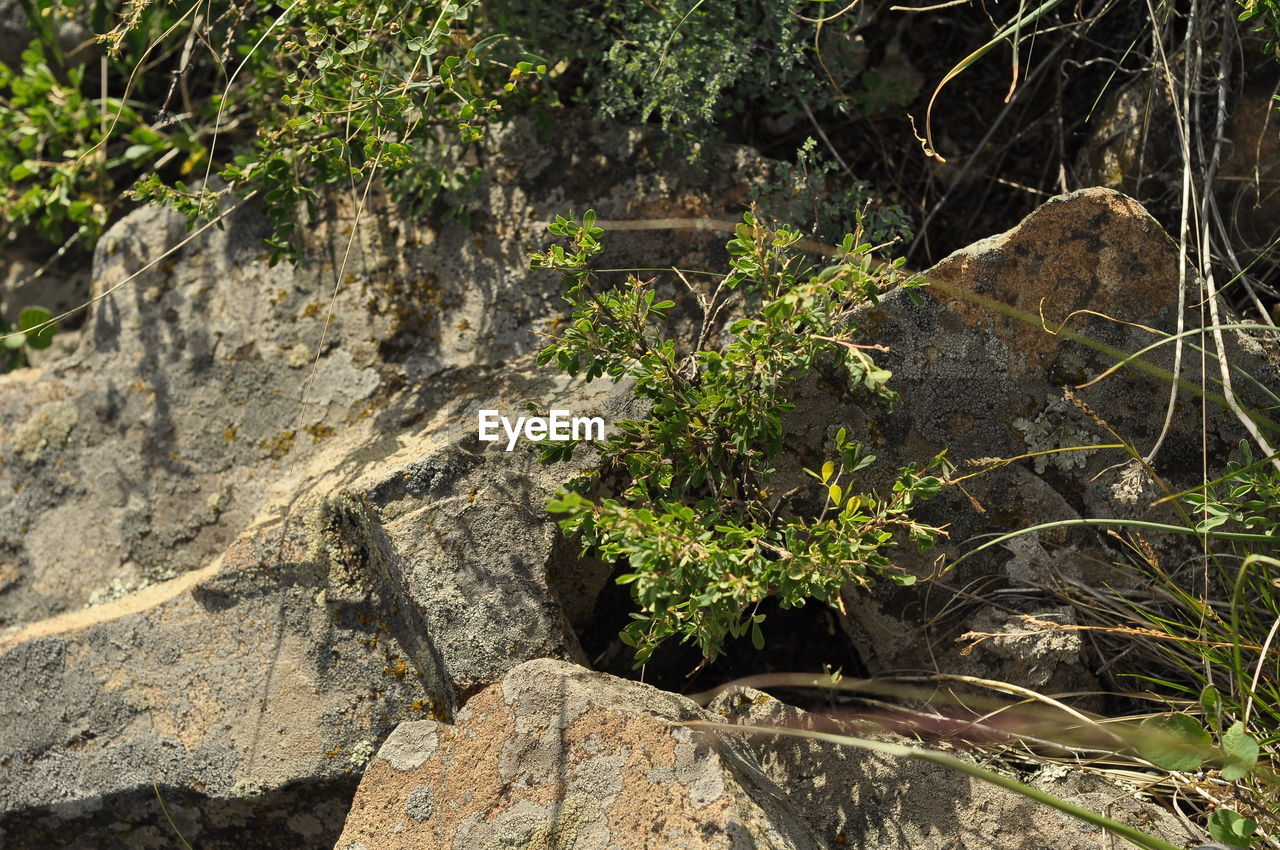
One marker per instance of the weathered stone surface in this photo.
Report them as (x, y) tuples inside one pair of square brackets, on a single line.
[(979, 373), (271, 587), (861, 799), (393, 591), (980, 376), (557, 756), (145, 454)]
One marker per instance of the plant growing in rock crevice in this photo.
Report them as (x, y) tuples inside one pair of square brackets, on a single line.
[(705, 539)]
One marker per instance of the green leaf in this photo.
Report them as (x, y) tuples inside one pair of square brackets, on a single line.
[(1230, 828), (837, 494), (565, 502), (757, 636), (1241, 751), (1177, 742), (828, 469), (877, 378), (33, 317), (1211, 702)]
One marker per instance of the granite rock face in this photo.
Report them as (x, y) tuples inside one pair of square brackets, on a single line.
[(557, 756)]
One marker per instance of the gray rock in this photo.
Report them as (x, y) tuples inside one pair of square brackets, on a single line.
[(182, 409), (211, 587), (980, 376), (274, 673)]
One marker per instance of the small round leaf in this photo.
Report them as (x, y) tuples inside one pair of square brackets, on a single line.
[(1177, 742), (1240, 751), (1230, 828), (34, 317)]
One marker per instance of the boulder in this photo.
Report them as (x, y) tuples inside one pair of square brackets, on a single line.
[(558, 756), (981, 365), (206, 380), (249, 689), (219, 599)]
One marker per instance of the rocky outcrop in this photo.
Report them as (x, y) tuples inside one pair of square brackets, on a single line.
[(206, 380), (273, 674), (981, 366), (219, 599), (557, 756), (247, 529)]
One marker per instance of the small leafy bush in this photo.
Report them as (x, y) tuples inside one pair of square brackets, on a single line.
[(54, 174), (695, 65), (338, 91), (1180, 742), (705, 540), (810, 190), (279, 101)]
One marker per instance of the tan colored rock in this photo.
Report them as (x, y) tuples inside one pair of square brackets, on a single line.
[(981, 365), (1091, 250), (560, 757)]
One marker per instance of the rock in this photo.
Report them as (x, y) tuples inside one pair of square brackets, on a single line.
[(856, 798), (272, 587), (219, 601), (185, 397), (1124, 150), (1027, 650), (557, 756), (269, 677), (980, 376)]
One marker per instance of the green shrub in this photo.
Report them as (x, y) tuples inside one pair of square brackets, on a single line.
[(694, 65), (810, 190), (54, 173), (283, 100), (704, 538), (279, 101)]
